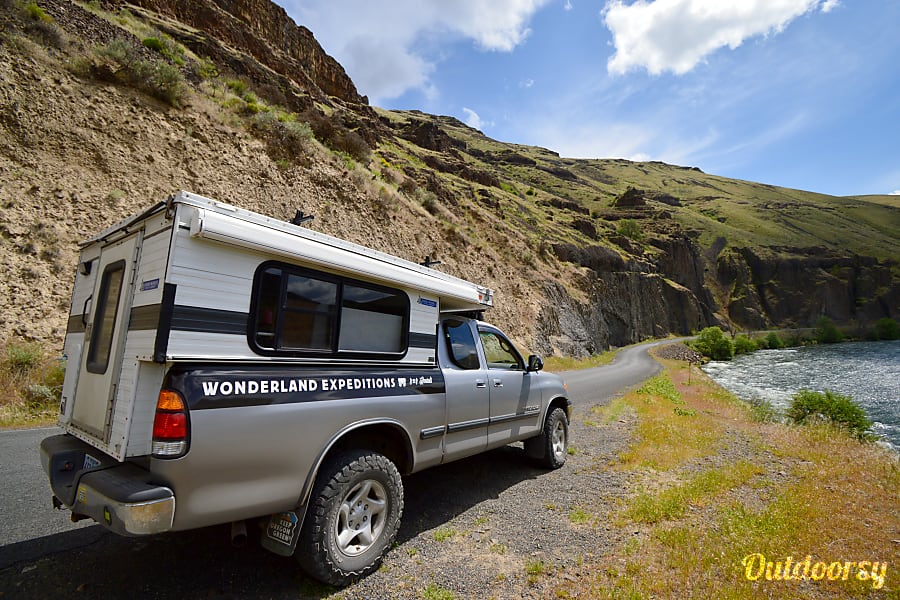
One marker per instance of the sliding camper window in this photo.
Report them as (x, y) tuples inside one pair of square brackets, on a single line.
[(302, 312), (105, 317)]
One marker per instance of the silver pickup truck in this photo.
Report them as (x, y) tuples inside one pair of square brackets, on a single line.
[(225, 366)]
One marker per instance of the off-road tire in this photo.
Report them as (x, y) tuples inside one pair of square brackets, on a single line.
[(551, 447), (358, 490)]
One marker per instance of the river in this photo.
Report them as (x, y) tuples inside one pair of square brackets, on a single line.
[(869, 372)]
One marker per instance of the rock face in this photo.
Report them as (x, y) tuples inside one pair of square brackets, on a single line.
[(263, 30), (797, 285)]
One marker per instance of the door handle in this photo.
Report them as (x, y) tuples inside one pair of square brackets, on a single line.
[(480, 383), (498, 383), (84, 310)]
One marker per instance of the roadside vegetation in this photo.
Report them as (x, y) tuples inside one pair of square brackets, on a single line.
[(30, 385), (715, 344), (567, 363), (713, 486)]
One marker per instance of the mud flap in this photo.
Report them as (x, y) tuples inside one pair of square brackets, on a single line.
[(281, 533)]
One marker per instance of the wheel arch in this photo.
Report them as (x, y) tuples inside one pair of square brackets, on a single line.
[(385, 436), (560, 402)]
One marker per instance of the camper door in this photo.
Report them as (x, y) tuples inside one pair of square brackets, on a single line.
[(104, 338)]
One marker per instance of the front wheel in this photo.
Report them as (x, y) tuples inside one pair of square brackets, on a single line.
[(353, 517), (551, 447)]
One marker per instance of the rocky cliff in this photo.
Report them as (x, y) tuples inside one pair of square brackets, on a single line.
[(260, 29), (582, 254)]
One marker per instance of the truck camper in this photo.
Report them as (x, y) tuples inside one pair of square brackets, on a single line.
[(225, 366)]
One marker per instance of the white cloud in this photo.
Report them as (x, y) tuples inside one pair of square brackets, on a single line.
[(829, 5), (895, 193), (568, 5), (676, 35), (526, 83), (384, 46), (472, 119)]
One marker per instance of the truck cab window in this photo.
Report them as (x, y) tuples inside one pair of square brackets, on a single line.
[(461, 344), (499, 352)]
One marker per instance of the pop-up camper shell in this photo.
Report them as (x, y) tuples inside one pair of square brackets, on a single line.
[(173, 285)]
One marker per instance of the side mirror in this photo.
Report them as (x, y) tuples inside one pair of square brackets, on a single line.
[(535, 363)]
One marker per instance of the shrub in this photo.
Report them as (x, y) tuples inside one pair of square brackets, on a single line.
[(207, 69), (167, 84), (353, 144), (630, 229), (773, 342), (285, 138), (154, 44), (826, 332), (37, 13), (157, 78), (887, 329), (808, 406), (166, 46), (237, 86), (429, 202), (22, 358), (30, 384), (743, 344), (332, 132), (762, 411), (509, 188), (712, 343)]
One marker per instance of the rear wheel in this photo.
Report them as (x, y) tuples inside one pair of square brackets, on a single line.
[(353, 517), (551, 447)]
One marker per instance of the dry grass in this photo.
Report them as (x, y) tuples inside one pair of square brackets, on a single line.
[(555, 364), (716, 488), (669, 432), (30, 384)]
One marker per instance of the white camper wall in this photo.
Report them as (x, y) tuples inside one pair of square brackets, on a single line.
[(218, 276), (211, 276), (133, 411)]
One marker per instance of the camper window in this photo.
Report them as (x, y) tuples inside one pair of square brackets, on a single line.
[(105, 317), (298, 311)]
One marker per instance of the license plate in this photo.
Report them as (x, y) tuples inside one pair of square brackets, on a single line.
[(90, 462)]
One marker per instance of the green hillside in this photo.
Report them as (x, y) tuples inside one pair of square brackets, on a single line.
[(541, 184)]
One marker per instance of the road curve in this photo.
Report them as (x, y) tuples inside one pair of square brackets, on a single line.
[(599, 385)]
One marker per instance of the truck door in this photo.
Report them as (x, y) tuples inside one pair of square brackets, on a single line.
[(468, 400), (104, 338), (512, 408)]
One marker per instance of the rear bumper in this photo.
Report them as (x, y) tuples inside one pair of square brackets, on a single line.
[(119, 496)]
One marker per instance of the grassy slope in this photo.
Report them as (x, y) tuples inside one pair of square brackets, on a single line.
[(743, 213)]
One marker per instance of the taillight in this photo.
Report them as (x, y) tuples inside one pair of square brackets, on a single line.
[(170, 426)]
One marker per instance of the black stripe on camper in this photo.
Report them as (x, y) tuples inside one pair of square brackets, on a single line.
[(211, 387), (209, 320), (422, 340), (144, 317), (167, 316), (161, 343)]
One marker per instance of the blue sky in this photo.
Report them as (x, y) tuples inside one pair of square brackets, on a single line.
[(797, 93)]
